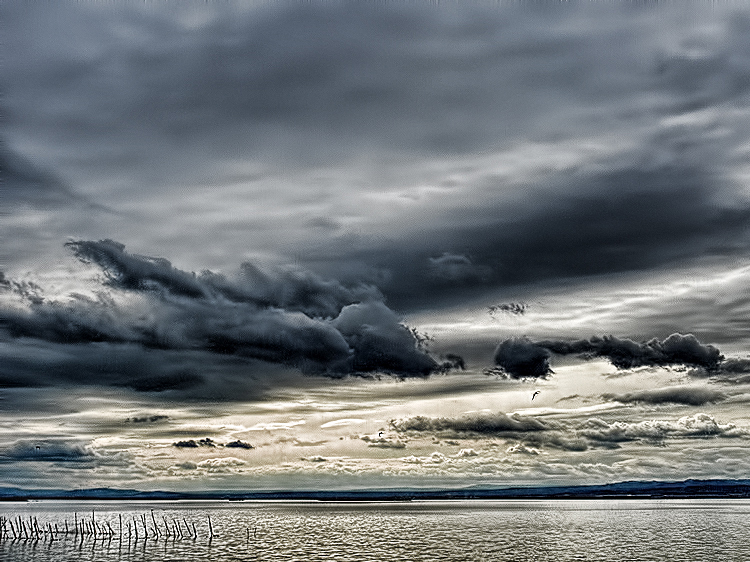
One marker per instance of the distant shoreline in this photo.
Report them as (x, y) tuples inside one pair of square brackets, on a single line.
[(688, 489)]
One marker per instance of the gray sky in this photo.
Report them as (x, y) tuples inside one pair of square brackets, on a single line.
[(224, 220)]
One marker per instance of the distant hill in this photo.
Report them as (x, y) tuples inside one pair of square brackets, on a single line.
[(619, 490)]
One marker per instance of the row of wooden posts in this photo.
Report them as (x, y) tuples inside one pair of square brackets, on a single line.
[(19, 528)]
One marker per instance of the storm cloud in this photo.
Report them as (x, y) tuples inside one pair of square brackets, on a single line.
[(294, 318), (294, 290), (522, 358)]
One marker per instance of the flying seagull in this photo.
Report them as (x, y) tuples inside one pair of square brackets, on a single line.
[(535, 393)]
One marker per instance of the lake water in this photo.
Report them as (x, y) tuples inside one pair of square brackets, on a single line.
[(519, 531)]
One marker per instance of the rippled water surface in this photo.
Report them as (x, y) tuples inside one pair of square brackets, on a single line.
[(676, 530)]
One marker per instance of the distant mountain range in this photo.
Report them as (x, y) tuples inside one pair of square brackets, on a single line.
[(619, 490)]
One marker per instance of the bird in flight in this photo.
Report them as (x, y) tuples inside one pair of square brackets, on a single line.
[(535, 393)]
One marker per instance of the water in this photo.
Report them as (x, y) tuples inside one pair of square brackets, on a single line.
[(519, 531)]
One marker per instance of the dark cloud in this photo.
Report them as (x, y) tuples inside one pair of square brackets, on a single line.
[(454, 361), (239, 445), (29, 362), (169, 374), (522, 358), (135, 272), (692, 396), (193, 444), (379, 342), (293, 319), (291, 289), (210, 443), (677, 349), (161, 382), (591, 222)]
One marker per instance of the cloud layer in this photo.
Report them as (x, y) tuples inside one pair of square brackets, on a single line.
[(519, 150)]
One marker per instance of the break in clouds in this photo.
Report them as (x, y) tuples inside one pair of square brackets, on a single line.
[(288, 316)]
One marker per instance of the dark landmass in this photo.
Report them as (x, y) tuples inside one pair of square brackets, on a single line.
[(620, 490)]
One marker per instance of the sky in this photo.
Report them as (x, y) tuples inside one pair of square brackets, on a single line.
[(324, 245)]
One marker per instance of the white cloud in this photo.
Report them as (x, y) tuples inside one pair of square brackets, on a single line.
[(274, 426), (342, 422)]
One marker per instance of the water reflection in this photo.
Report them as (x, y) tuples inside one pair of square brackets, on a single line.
[(541, 531)]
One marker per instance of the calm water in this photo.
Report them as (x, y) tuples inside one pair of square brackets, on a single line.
[(519, 531)]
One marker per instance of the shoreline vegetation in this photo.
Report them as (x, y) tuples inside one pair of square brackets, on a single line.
[(687, 489)]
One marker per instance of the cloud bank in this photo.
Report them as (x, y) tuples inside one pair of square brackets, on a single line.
[(288, 317), (534, 433)]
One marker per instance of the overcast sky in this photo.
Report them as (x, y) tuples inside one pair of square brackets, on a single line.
[(302, 245)]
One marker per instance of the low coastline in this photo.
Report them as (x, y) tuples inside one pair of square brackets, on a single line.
[(688, 489)]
